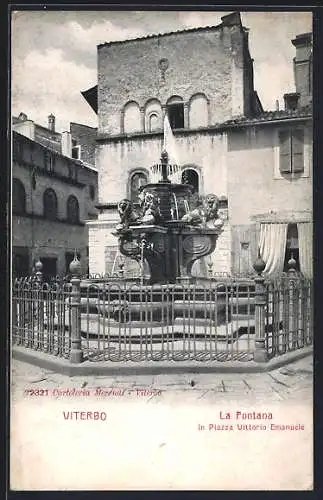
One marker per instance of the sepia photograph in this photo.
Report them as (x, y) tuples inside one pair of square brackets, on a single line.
[(161, 250)]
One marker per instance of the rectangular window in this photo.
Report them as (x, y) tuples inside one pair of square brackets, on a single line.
[(72, 171), (49, 160), (76, 150), (291, 151), (17, 153), (176, 115)]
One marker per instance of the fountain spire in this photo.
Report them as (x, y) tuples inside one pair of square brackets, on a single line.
[(164, 165)]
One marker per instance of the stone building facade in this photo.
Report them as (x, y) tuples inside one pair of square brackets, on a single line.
[(262, 190), (227, 145), (139, 81), (53, 195), (270, 177)]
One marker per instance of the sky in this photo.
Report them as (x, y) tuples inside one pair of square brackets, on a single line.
[(54, 54)]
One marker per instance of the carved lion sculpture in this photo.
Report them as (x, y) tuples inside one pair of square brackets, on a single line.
[(205, 214), (127, 214), (150, 208)]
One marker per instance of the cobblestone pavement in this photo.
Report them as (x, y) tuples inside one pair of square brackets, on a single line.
[(293, 382)]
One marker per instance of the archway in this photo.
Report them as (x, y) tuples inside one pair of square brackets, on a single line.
[(190, 176)]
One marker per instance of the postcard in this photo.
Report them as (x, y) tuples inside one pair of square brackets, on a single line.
[(161, 243)]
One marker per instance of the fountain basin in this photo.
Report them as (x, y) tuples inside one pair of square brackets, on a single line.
[(169, 250)]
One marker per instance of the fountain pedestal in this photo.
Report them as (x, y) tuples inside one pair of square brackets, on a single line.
[(171, 250)]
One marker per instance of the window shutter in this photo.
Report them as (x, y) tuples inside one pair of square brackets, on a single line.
[(298, 151), (284, 152)]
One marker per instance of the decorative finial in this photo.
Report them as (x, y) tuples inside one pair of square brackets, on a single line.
[(38, 266), (259, 264), (291, 264), (75, 265), (164, 164), (164, 156)]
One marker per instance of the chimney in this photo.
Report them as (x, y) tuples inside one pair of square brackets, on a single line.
[(25, 127), (67, 144), (51, 122), (277, 105), (303, 67), (22, 117), (291, 101), (231, 19)]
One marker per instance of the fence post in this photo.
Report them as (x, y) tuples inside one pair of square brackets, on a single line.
[(260, 352), (292, 303), (39, 303), (76, 354)]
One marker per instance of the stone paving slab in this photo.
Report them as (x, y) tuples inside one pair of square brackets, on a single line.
[(293, 382)]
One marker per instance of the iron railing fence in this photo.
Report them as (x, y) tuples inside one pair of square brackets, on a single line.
[(289, 314), (209, 320), (41, 316), (167, 322)]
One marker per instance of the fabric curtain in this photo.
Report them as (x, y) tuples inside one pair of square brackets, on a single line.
[(305, 242), (272, 246)]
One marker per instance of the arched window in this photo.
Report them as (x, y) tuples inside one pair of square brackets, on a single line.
[(137, 180), (175, 112), (18, 197), (198, 114), (153, 116), (190, 176), (73, 211), (50, 204), (131, 118), (153, 122)]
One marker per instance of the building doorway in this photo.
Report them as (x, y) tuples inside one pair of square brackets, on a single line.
[(49, 267), (20, 262), (292, 247)]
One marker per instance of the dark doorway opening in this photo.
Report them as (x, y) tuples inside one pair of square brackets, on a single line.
[(292, 247), (20, 262), (49, 267), (191, 177), (176, 115)]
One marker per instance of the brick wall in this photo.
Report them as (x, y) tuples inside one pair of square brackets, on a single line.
[(303, 67), (86, 138), (208, 61)]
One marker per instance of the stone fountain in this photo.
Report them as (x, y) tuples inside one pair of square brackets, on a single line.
[(171, 230)]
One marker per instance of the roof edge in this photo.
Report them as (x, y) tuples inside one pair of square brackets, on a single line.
[(231, 19), (80, 163)]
